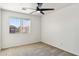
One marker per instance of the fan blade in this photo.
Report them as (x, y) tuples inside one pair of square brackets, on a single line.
[(42, 12), (46, 9), (39, 4)]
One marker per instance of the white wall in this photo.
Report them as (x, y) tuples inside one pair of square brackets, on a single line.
[(0, 28), (10, 40), (61, 29)]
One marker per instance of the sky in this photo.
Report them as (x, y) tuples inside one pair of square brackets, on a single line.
[(17, 22)]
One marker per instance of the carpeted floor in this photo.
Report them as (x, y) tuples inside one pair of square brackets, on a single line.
[(36, 49)]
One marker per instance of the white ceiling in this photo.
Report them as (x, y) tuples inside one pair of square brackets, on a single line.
[(30, 6)]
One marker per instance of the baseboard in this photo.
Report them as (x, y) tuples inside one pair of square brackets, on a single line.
[(20, 45), (59, 48), (41, 42)]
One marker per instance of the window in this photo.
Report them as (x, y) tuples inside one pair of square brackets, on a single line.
[(17, 25)]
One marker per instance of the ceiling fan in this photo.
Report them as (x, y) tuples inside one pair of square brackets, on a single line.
[(41, 10), (38, 8)]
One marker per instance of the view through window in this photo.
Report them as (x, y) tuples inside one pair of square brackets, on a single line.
[(17, 25)]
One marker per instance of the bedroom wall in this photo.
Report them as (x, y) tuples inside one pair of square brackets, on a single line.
[(10, 40), (0, 29), (61, 29)]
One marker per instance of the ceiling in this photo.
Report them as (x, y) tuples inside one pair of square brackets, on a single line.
[(17, 7)]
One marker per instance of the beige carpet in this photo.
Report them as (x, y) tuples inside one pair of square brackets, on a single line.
[(36, 49)]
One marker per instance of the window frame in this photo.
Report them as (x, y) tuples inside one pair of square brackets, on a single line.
[(21, 24)]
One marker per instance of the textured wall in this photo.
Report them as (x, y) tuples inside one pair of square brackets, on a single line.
[(10, 40), (61, 29)]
